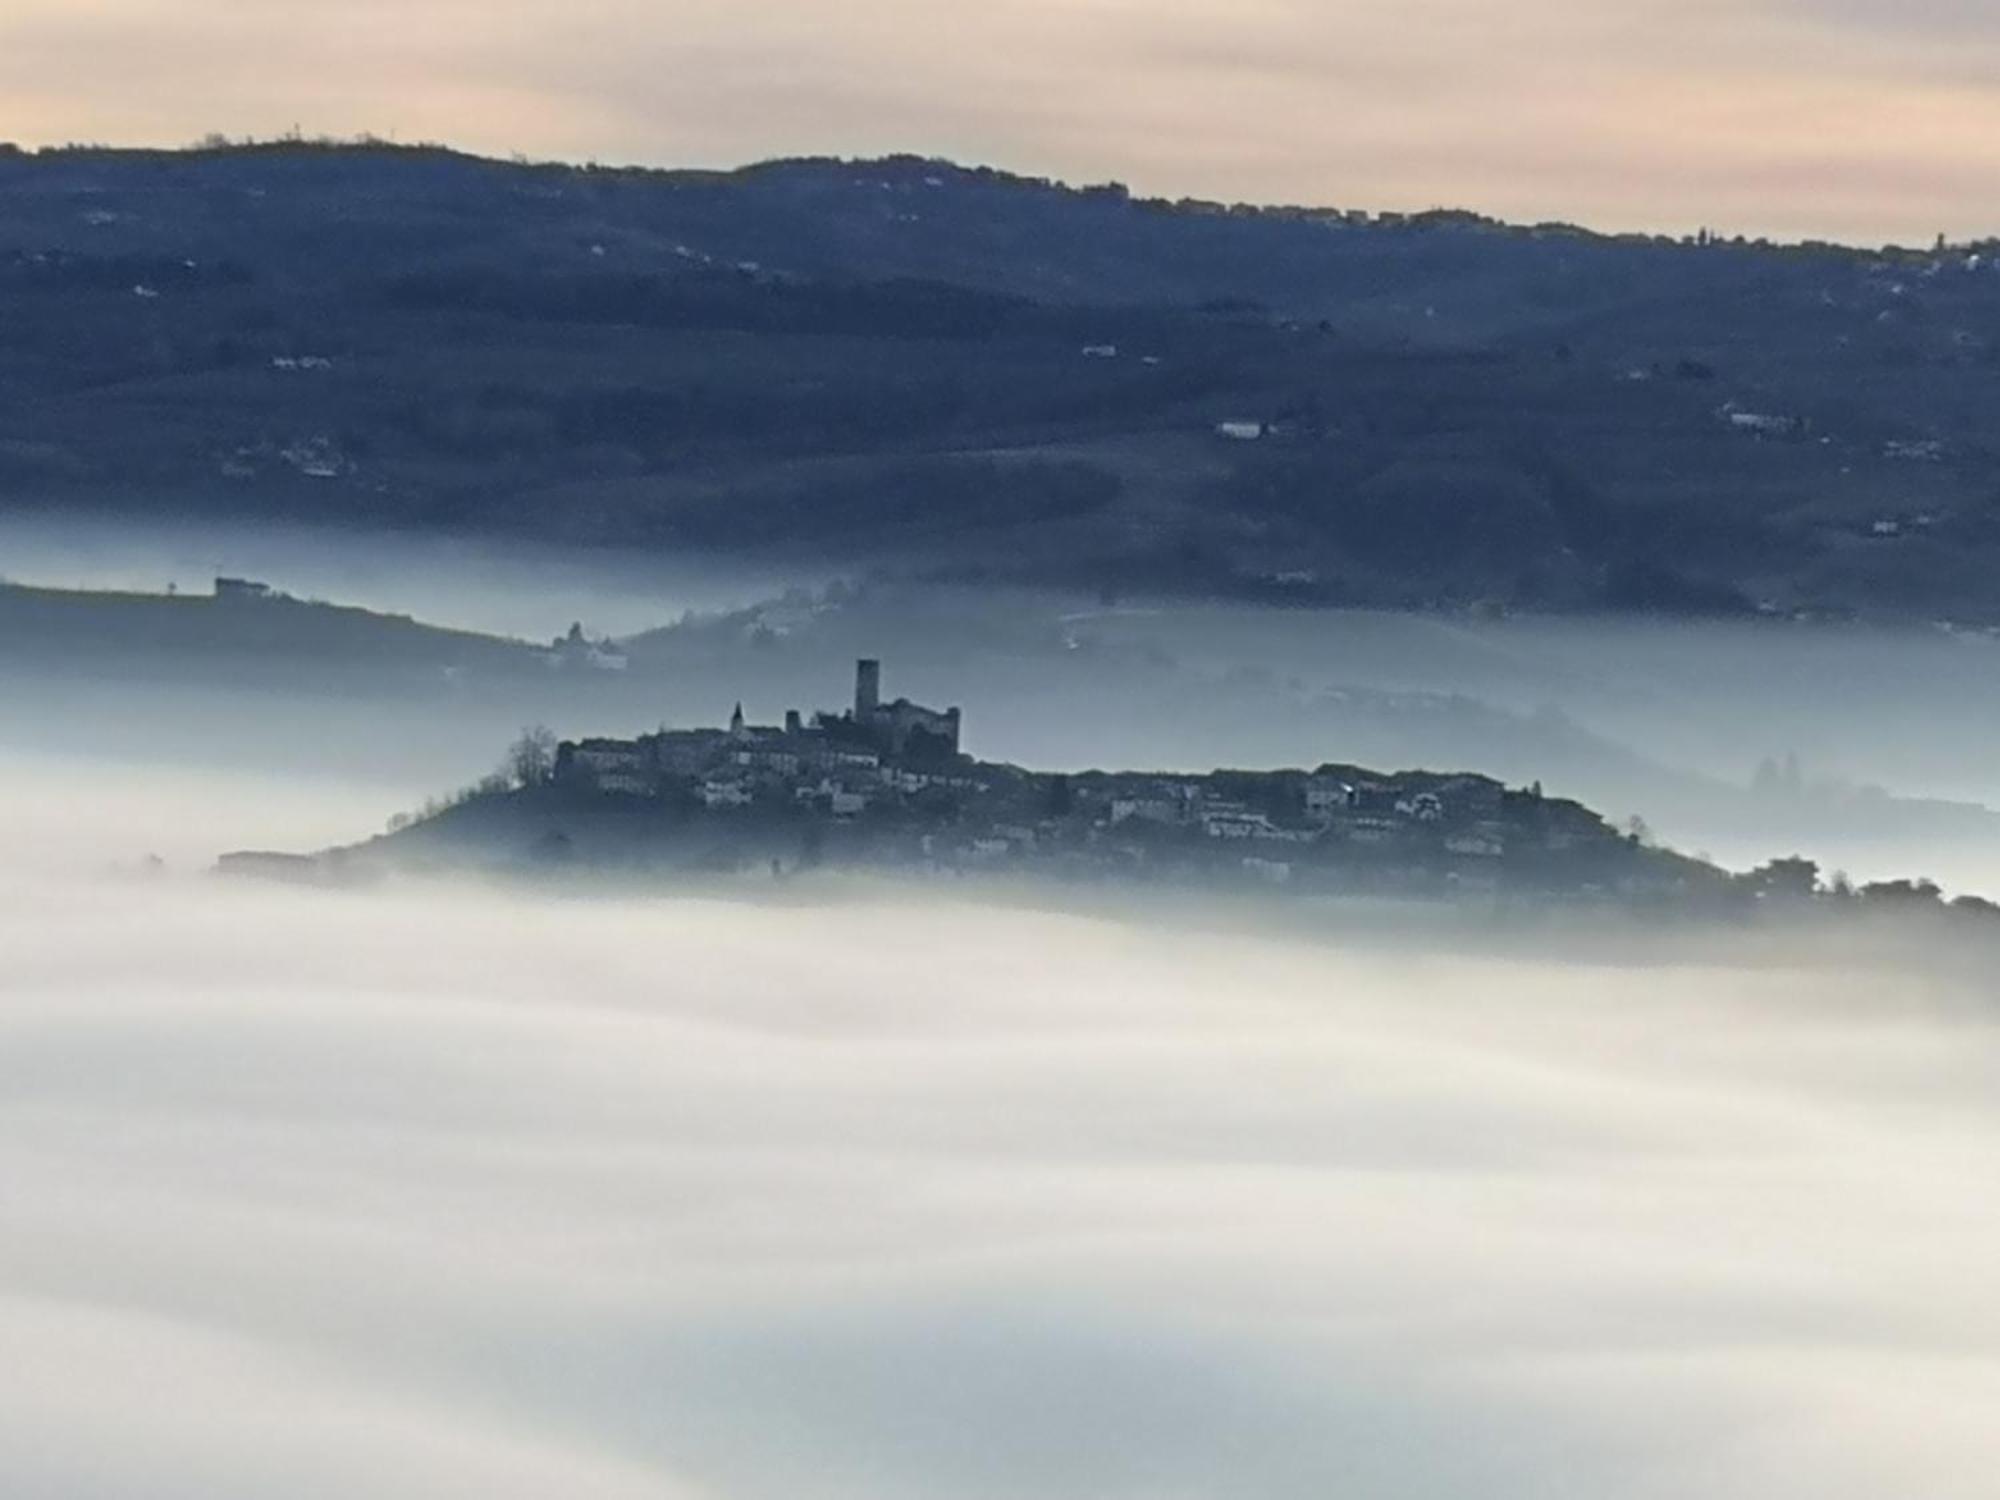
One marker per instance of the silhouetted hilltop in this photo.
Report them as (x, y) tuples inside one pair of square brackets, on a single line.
[(846, 793), (241, 623), (963, 372), (781, 804)]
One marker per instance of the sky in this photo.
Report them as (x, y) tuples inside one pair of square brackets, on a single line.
[(1868, 120), (434, 1191)]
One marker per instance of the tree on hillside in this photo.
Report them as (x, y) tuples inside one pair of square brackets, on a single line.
[(1790, 879), (531, 759)]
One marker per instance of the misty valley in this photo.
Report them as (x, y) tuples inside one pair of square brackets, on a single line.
[(1735, 743), (881, 831)]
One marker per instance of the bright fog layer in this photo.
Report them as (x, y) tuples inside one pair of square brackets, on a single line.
[(434, 1192)]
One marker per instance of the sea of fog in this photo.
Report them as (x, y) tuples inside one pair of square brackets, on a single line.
[(438, 1190)]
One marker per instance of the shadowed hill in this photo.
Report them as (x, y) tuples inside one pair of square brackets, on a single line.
[(909, 363)]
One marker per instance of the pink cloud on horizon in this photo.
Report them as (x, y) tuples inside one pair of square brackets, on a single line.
[(1846, 118)]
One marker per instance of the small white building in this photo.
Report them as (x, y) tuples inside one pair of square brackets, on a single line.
[(1762, 424), (1240, 432), (1235, 823), (1916, 450), (1424, 807)]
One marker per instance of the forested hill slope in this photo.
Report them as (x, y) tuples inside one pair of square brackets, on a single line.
[(909, 362)]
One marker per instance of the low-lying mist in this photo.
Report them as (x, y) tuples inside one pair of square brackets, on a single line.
[(1743, 740), (436, 1191)]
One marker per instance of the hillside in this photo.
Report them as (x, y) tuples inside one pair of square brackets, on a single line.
[(230, 633), (770, 807), (1340, 831), (909, 364)]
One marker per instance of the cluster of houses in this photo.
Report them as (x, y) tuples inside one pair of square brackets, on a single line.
[(315, 457), (842, 764), (1762, 424), (887, 782), (1281, 825)]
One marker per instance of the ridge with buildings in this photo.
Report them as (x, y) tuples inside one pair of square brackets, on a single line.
[(886, 788), (885, 785)]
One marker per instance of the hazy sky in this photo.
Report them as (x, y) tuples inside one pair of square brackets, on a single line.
[(1867, 119)]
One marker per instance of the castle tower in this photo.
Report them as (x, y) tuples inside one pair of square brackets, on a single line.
[(867, 689)]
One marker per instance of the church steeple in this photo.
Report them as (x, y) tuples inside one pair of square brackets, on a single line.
[(736, 723)]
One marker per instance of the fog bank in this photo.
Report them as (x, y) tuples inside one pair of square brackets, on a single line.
[(429, 1192)]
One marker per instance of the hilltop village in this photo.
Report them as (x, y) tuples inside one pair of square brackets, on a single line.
[(886, 784), (886, 787)]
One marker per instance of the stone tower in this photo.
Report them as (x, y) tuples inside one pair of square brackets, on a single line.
[(867, 689)]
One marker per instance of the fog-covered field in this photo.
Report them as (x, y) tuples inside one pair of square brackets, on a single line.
[(435, 1191)]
